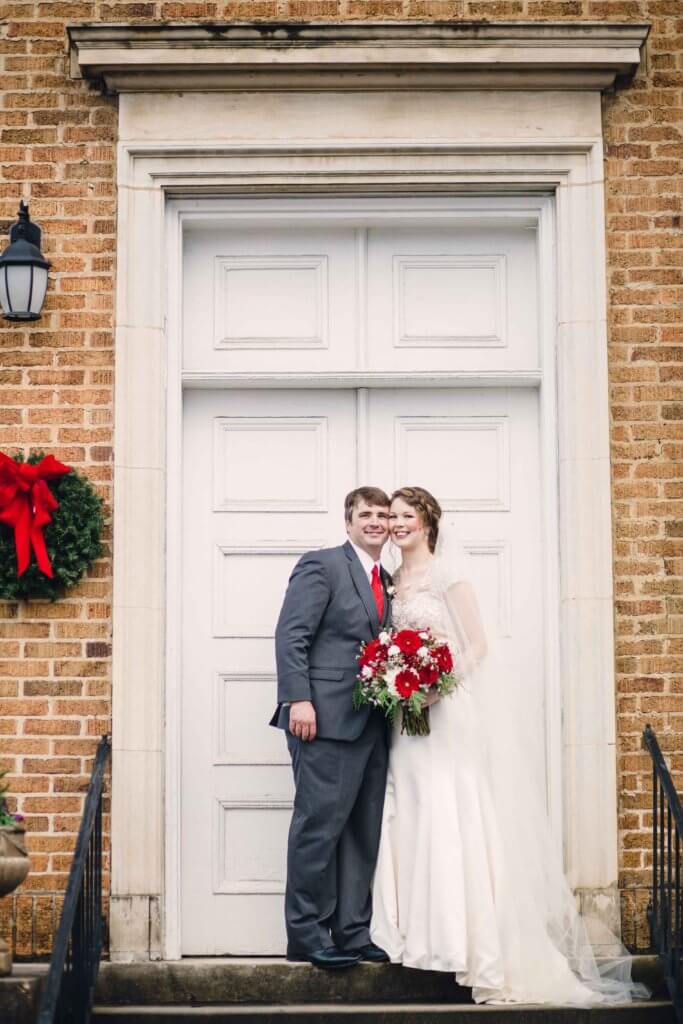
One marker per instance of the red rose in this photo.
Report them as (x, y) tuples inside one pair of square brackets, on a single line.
[(374, 650), (429, 675), (443, 657), (408, 641), (407, 683)]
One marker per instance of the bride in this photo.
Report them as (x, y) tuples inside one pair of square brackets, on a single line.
[(468, 880)]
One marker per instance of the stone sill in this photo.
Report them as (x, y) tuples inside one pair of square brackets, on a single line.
[(356, 55)]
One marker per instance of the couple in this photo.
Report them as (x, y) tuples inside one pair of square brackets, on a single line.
[(414, 849)]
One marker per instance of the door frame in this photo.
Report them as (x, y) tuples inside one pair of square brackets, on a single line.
[(557, 181), (510, 212)]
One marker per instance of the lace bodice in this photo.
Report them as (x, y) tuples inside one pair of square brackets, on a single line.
[(420, 605)]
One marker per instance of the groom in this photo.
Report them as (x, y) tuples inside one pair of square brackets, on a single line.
[(336, 599)]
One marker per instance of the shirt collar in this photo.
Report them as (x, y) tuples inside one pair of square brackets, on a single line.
[(366, 560)]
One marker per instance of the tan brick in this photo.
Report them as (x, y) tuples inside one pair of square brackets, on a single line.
[(53, 688), (52, 765), (52, 727)]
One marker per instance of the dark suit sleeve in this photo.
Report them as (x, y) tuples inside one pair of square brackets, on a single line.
[(306, 599)]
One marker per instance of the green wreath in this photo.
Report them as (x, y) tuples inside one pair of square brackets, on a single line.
[(73, 540)]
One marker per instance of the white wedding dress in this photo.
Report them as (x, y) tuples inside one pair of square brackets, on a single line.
[(462, 884)]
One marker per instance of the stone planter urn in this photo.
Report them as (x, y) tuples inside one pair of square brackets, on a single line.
[(14, 864)]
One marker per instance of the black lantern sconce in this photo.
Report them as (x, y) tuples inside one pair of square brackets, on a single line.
[(23, 270)]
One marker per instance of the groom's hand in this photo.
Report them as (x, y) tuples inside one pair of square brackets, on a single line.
[(302, 721)]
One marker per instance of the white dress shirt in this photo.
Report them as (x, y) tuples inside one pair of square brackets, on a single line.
[(367, 561)]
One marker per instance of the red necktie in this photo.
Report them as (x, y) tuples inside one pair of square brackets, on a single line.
[(377, 590)]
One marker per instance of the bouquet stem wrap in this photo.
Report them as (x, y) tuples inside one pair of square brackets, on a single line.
[(415, 723)]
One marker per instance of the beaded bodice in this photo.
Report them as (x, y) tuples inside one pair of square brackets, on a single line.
[(419, 605)]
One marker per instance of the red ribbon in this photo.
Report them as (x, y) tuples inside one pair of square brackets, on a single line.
[(26, 504)]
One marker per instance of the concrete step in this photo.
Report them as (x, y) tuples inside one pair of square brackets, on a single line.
[(273, 981), (19, 994), (382, 1013)]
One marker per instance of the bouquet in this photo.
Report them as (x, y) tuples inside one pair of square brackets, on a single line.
[(398, 670)]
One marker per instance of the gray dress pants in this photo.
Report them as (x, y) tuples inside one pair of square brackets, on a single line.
[(334, 838)]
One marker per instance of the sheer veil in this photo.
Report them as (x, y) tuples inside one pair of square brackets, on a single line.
[(543, 931)]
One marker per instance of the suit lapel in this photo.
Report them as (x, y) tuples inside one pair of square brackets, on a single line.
[(362, 585)]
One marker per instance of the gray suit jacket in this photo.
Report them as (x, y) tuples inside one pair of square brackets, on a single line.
[(328, 611)]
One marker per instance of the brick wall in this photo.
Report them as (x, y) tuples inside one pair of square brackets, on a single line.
[(57, 149)]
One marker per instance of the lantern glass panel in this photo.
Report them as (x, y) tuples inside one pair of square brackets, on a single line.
[(4, 297), (19, 278), (39, 289)]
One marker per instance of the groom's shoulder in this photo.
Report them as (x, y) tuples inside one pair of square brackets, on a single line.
[(326, 556), (329, 561)]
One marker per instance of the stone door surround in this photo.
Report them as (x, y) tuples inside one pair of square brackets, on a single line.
[(256, 109)]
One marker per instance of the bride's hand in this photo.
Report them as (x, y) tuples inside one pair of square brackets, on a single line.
[(430, 699)]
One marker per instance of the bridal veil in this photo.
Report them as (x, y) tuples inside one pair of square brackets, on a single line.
[(543, 933)]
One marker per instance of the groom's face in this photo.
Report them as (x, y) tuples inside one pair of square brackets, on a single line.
[(368, 527)]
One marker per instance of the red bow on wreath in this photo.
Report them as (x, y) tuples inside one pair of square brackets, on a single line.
[(26, 503)]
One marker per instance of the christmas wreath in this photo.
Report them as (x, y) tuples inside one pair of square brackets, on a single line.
[(50, 526)]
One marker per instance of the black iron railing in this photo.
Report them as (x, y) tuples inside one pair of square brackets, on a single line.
[(665, 909), (70, 986)]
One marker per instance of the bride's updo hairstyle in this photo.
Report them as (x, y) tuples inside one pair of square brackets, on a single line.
[(428, 507)]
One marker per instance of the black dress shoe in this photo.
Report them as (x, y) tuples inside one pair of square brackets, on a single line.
[(372, 954), (330, 958)]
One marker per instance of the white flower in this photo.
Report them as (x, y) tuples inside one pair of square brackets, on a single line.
[(393, 651), (390, 679), (384, 637), (366, 672), (423, 653), (423, 636), (391, 591)]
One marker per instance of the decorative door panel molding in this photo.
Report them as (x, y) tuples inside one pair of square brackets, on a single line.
[(286, 474), (466, 459), (450, 301), (235, 566), (244, 867), (497, 551), (275, 302), (242, 705)]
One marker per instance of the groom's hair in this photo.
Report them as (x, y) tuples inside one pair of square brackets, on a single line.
[(370, 495)]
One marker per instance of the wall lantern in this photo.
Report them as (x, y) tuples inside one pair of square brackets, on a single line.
[(23, 270)]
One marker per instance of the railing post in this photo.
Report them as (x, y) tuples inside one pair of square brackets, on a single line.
[(70, 985), (665, 912)]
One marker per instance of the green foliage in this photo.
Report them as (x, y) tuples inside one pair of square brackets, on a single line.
[(73, 541), (6, 818), (382, 699)]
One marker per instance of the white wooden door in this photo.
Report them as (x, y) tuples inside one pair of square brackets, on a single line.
[(265, 478), (407, 286)]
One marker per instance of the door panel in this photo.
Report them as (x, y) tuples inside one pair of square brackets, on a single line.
[(477, 451), (265, 479), (270, 298), (450, 298)]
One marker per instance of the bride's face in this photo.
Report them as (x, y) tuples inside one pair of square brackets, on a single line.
[(406, 528)]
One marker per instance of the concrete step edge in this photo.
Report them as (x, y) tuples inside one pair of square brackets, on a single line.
[(245, 981), (333, 1009)]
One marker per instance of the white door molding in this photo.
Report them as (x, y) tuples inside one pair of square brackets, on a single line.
[(175, 146)]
